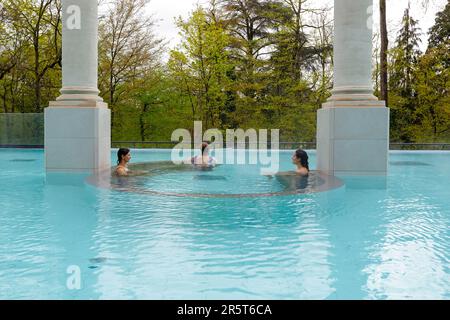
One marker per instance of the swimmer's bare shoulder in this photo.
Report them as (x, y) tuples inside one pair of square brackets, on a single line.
[(121, 171), (275, 174)]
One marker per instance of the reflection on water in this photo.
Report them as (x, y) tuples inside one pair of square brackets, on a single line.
[(208, 178), (292, 181), (408, 259), (214, 249), (371, 239), (166, 178)]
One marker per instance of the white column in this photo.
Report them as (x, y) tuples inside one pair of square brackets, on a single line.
[(353, 50), (79, 54), (77, 124), (353, 126)]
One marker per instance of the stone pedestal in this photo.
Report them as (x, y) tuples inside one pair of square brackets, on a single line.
[(353, 140), (77, 124), (77, 139), (353, 126)]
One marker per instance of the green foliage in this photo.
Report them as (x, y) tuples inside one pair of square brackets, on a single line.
[(201, 66), (440, 32), (432, 114), (405, 56), (30, 53), (402, 97), (419, 84), (129, 51), (240, 64)]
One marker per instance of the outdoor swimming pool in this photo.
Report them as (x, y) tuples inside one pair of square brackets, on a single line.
[(372, 238)]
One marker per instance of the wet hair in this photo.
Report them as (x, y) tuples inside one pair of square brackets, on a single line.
[(122, 152), (303, 157), (205, 145)]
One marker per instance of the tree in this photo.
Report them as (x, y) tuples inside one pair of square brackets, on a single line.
[(405, 56), (201, 66), (128, 49), (384, 47), (39, 21), (432, 83), (249, 23), (30, 53), (300, 70), (433, 96), (439, 35), (383, 53), (152, 91), (7, 53), (322, 47), (440, 32), (299, 29)]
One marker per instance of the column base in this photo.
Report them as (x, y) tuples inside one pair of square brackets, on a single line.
[(353, 93), (77, 139), (354, 104), (353, 140), (78, 96), (78, 103)]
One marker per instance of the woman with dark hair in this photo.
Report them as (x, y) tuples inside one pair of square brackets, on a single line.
[(300, 159), (204, 160), (298, 179), (123, 157)]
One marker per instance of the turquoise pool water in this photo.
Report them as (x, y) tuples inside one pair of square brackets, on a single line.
[(372, 238)]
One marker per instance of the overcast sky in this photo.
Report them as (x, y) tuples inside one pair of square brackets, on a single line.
[(165, 12)]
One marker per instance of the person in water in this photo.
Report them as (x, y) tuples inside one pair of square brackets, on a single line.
[(300, 159), (298, 179), (123, 157), (204, 159)]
